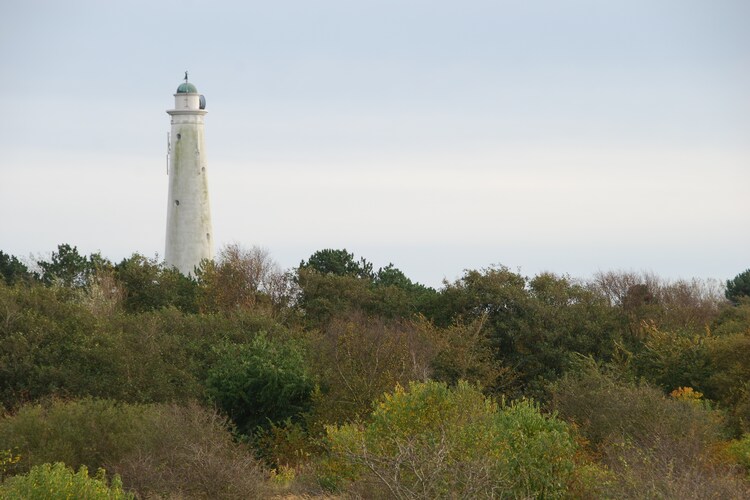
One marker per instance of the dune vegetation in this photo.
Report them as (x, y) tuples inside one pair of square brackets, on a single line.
[(337, 380)]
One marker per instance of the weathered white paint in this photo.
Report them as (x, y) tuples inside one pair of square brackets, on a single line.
[(186, 101), (189, 234)]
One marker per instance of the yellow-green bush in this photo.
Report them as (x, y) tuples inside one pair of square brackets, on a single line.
[(740, 451), (56, 481), (451, 442), (86, 432)]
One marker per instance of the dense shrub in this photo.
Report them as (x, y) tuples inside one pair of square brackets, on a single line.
[(535, 325), (148, 285), (58, 482), (729, 380), (148, 342), (332, 283), (189, 452), (463, 351), (431, 441), (157, 448), (259, 383), (716, 365), (52, 344), (358, 358), (733, 319), (672, 359), (86, 432), (57, 342), (657, 447), (46, 342), (606, 408), (740, 452)]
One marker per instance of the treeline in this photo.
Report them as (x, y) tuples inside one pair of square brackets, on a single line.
[(334, 378)]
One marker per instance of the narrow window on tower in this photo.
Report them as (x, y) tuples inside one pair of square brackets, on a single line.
[(177, 203)]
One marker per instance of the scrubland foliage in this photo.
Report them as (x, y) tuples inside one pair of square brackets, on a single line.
[(656, 446), (336, 378), (243, 279), (164, 449), (432, 441), (259, 383), (56, 481)]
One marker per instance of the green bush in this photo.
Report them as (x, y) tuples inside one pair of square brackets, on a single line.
[(149, 285), (672, 359), (437, 442), (740, 451), (46, 342), (53, 343), (87, 432), (332, 283), (259, 383), (56, 481)]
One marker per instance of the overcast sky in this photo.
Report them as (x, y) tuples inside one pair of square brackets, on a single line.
[(545, 135)]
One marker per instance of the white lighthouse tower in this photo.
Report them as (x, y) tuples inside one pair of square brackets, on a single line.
[(189, 235)]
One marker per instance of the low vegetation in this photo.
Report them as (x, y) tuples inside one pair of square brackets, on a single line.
[(336, 380)]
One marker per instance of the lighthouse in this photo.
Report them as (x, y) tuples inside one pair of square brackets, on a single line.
[(189, 237)]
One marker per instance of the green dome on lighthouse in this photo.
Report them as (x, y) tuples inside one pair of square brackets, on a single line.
[(187, 88)]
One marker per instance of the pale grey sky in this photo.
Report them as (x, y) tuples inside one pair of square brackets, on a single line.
[(570, 136)]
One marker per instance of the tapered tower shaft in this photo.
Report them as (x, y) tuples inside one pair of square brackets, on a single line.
[(189, 237)]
